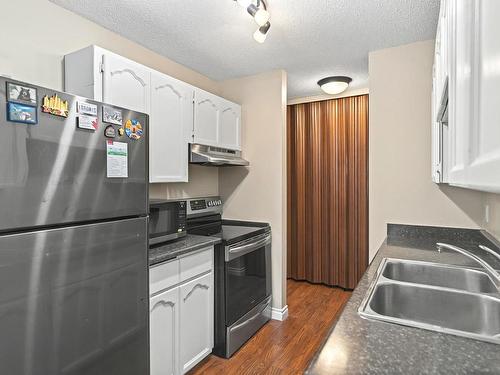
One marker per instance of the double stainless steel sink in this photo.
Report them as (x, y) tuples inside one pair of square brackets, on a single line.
[(451, 299)]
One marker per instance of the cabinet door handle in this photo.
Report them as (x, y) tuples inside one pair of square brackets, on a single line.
[(163, 303), (202, 286)]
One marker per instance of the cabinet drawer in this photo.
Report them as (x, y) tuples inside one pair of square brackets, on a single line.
[(163, 276), (195, 264)]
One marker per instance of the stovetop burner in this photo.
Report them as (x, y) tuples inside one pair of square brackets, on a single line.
[(234, 233), (204, 217)]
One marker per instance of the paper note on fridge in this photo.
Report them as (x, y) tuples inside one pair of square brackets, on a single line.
[(88, 122), (117, 159)]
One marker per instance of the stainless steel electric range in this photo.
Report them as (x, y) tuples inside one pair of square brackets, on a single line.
[(242, 273)]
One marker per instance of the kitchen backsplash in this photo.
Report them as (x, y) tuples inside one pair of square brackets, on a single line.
[(203, 181), (493, 223)]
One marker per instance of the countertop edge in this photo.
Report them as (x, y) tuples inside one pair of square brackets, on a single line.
[(362, 346), (178, 248)]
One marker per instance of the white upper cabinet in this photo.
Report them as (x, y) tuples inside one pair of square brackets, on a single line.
[(206, 118), (483, 170), (472, 159), (440, 87), (178, 112), (461, 90), (217, 121), (126, 83), (172, 111), (229, 125)]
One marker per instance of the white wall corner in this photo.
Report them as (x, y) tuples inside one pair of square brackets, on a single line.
[(279, 313)]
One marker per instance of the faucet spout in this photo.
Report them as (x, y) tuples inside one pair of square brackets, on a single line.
[(492, 273)]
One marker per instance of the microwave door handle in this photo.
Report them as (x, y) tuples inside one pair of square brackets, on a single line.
[(238, 251)]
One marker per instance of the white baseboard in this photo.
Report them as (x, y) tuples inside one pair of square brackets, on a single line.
[(279, 314)]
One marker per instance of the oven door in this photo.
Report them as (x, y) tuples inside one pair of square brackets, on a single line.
[(248, 275)]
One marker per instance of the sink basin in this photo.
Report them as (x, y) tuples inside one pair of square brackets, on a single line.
[(449, 299), (439, 275)]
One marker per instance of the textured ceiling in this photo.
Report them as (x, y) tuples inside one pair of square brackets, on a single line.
[(310, 39)]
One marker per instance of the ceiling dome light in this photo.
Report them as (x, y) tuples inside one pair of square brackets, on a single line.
[(261, 34), (334, 85)]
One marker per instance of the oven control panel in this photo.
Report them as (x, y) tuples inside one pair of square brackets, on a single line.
[(214, 203), (198, 204), (204, 205)]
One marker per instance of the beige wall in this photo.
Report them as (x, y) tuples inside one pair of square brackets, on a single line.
[(401, 190), (35, 42), (493, 224), (203, 182), (259, 191)]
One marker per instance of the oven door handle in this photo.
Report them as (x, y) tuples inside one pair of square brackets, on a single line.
[(253, 317), (240, 250)]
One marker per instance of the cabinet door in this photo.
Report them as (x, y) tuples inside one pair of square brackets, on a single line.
[(196, 321), (460, 113), (206, 118), (164, 334), (126, 83), (230, 125), (435, 139), (444, 48), (170, 128), (483, 171)]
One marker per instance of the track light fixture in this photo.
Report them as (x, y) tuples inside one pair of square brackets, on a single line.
[(261, 33), (261, 16)]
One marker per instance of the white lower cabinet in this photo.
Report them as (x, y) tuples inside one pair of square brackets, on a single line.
[(196, 328), (164, 333), (181, 319)]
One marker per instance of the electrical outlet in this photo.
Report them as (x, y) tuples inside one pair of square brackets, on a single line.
[(487, 213)]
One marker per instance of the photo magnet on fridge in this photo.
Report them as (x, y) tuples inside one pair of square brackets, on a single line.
[(56, 106), (22, 113), (112, 115), (133, 129), (88, 122), (110, 131), (21, 94)]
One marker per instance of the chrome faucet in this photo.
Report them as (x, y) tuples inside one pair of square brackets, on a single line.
[(492, 273)]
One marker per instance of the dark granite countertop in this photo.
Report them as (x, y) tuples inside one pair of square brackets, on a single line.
[(171, 250), (360, 346)]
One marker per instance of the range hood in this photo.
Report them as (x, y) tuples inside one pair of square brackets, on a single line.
[(215, 156)]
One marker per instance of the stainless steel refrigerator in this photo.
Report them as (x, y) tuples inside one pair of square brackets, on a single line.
[(73, 235)]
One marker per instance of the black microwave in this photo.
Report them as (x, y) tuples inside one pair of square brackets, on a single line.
[(167, 220)]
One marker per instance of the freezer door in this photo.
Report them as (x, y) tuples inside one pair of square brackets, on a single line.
[(75, 300), (54, 172)]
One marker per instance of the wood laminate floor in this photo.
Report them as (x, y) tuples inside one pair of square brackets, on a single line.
[(285, 347)]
